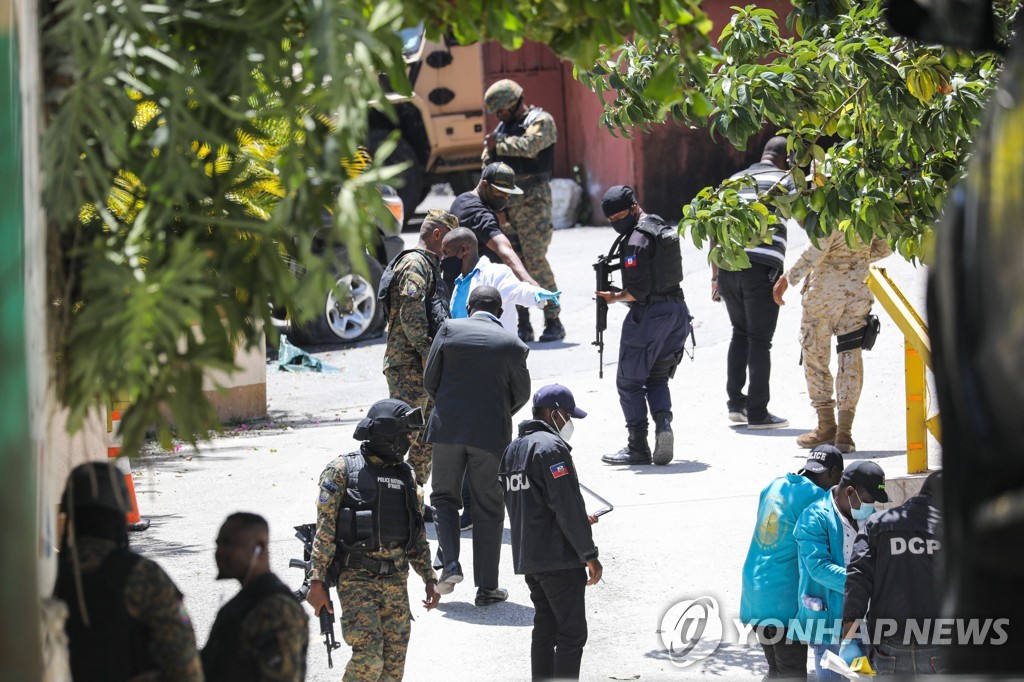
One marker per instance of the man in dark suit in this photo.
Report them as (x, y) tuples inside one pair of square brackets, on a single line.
[(476, 372)]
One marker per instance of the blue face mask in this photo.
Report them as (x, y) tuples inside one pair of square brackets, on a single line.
[(865, 510)]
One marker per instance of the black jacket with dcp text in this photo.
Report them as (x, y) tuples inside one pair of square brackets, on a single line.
[(550, 528)]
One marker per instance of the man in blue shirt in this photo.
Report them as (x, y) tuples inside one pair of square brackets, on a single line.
[(825, 534), (771, 573)]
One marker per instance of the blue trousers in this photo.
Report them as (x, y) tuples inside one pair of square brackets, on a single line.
[(652, 343)]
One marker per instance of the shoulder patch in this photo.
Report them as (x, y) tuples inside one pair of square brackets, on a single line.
[(328, 489), (559, 470), (412, 289)]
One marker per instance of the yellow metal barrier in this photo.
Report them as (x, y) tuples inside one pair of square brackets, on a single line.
[(917, 355)]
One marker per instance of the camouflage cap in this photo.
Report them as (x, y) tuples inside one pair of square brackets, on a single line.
[(502, 95), (442, 218)]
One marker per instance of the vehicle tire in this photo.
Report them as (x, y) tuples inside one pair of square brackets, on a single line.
[(362, 319), (414, 188)]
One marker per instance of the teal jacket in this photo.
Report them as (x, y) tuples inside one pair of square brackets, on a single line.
[(819, 537), (771, 572)]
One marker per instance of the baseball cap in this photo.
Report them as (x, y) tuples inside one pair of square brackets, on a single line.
[(556, 395), (501, 177), (823, 458), (617, 198), (869, 476), (442, 218)]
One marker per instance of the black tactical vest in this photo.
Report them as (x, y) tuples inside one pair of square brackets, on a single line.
[(542, 165), (114, 646), (379, 507), (667, 260), (436, 299), (223, 658)]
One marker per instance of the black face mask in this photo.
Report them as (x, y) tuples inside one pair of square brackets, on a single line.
[(389, 450), (497, 203), (451, 268), (624, 225)]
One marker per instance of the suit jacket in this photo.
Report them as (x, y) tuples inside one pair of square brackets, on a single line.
[(476, 372)]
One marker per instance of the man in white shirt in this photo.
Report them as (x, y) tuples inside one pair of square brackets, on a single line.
[(461, 244)]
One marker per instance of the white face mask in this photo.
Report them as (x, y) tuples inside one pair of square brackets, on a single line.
[(566, 431)]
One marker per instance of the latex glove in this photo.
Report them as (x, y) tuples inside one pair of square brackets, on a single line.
[(849, 651), (545, 295)]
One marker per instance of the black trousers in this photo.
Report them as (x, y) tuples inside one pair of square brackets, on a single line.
[(559, 623), (787, 659), (453, 463), (753, 314)]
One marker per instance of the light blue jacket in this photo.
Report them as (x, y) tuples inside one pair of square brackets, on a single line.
[(819, 536), (771, 572)]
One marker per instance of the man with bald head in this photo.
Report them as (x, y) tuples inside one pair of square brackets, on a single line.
[(477, 374), (262, 633), (476, 270)]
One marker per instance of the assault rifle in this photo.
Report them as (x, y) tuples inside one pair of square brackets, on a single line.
[(305, 534), (604, 267)]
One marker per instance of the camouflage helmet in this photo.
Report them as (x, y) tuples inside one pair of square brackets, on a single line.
[(502, 95), (96, 484)]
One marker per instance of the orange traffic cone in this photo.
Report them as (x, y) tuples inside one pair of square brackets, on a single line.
[(135, 522)]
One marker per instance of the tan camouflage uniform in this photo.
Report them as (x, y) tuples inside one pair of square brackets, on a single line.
[(408, 345), (375, 616), (529, 226), (275, 633), (836, 300), (153, 600)]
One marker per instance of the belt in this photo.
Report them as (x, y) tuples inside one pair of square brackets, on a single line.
[(379, 567), (666, 298)]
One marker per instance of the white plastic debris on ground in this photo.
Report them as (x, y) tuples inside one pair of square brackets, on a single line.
[(565, 202)]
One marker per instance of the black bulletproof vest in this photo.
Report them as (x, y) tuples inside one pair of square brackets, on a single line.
[(379, 507), (436, 300), (667, 260), (114, 646), (223, 658), (542, 164)]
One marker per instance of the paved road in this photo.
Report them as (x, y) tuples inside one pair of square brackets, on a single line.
[(679, 531)]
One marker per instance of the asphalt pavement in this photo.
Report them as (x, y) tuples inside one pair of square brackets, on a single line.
[(678, 532)]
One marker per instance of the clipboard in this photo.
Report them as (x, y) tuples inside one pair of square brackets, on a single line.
[(591, 498)]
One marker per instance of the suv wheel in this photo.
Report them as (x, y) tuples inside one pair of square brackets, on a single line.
[(346, 319)]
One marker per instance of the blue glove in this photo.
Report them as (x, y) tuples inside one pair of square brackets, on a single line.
[(545, 295), (849, 651)]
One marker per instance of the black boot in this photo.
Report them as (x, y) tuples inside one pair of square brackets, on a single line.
[(636, 452), (525, 328), (553, 330), (663, 438)]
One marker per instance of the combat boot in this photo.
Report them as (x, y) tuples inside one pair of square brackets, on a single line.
[(844, 439), (637, 451), (663, 438), (823, 434), (553, 330), (525, 328)]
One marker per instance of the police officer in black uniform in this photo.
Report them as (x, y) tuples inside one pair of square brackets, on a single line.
[(551, 535), (893, 578), (655, 329)]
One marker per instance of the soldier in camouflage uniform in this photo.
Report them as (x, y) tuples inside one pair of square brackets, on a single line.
[(414, 297), (525, 140), (369, 530), (262, 633), (836, 301), (126, 618)]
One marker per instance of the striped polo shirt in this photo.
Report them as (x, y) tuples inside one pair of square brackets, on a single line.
[(767, 175)]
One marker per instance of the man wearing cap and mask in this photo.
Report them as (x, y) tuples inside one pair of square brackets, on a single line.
[(825, 535), (552, 543), (525, 140), (415, 302), (126, 618), (771, 572), (655, 328), (262, 633), (369, 531), (478, 210)]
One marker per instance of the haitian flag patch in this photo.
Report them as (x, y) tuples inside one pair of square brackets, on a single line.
[(629, 262), (559, 470)]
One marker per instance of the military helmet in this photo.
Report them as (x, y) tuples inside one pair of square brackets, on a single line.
[(387, 419), (502, 95), (98, 485)]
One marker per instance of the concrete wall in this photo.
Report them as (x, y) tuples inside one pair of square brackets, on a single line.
[(243, 394)]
